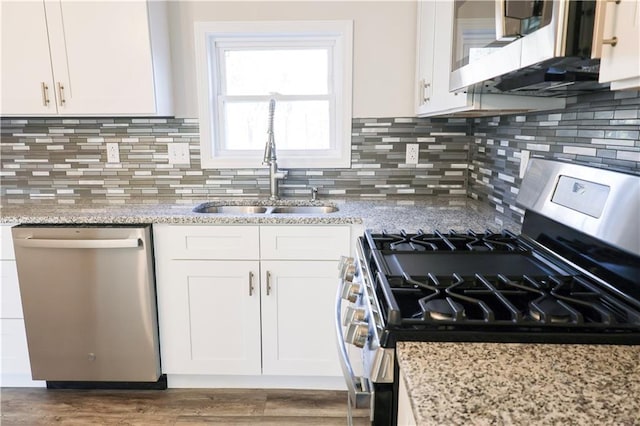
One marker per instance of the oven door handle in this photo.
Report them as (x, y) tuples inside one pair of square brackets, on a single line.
[(358, 387)]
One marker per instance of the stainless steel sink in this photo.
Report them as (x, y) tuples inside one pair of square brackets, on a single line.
[(247, 210), (204, 208), (304, 209)]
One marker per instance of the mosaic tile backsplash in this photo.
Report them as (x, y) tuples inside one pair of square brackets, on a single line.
[(601, 130), (65, 159)]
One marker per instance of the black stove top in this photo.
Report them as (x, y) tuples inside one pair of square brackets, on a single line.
[(488, 286)]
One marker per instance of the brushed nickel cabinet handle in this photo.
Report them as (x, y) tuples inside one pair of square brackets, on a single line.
[(61, 94), (422, 91), (268, 282), (251, 288), (45, 93)]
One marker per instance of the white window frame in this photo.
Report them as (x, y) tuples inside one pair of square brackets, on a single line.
[(336, 35)]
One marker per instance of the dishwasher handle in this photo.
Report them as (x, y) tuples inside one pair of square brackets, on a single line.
[(73, 244)]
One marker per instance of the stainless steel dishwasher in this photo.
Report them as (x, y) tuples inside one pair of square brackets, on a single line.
[(88, 296)]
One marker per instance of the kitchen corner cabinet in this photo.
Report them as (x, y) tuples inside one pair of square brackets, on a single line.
[(433, 67), (248, 300), (77, 58), (405, 411), (620, 63), (15, 369)]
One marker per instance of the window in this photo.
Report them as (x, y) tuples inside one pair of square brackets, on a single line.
[(304, 66)]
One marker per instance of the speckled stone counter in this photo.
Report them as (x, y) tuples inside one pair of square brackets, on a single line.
[(521, 384), (411, 214)]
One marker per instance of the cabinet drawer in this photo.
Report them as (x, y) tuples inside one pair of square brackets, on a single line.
[(304, 242), (15, 355), (6, 243), (10, 304), (206, 242)]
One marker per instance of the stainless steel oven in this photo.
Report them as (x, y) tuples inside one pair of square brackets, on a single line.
[(571, 276), (539, 47)]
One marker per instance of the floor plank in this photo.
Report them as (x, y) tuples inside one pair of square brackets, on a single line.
[(187, 407)]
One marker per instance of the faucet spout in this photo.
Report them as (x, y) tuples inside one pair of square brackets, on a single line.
[(270, 156), (270, 146)]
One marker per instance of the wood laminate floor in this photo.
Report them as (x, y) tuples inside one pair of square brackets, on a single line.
[(185, 407)]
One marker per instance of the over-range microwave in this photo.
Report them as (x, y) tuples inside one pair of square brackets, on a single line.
[(532, 47)]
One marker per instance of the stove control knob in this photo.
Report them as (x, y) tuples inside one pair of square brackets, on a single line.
[(353, 314), (348, 272), (350, 291), (345, 263), (357, 334)]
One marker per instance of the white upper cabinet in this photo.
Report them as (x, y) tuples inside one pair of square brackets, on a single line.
[(27, 78), (433, 69), (85, 58), (620, 54)]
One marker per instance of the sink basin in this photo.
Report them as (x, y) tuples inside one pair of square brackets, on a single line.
[(245, 210), (230, 209), (303, 209)]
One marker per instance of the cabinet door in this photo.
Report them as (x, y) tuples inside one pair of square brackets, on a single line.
[(435, 22), (620, 64), (27, 80), (209, 317), (424, 54), (101, 56), (405, 412), (298, 336)]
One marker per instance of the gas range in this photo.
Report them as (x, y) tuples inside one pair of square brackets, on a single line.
[(489, 287), (571, 276)]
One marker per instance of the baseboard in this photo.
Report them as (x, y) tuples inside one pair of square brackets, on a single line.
[(256, 382)]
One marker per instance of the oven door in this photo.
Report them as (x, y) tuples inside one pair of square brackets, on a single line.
[(368, 369)]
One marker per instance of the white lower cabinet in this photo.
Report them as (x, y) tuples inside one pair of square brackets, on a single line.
[(15, 369), (209, 317), (257, 312), (405, 411), (298, 335)]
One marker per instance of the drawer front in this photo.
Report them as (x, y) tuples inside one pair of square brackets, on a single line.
[(10, 304), (6, 243), (15, 355), (206, 242), (304, 242)]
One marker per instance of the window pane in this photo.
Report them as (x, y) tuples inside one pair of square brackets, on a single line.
[(290, 72), (298, 125)]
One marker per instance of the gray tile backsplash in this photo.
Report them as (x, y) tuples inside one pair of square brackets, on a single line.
[(65, 159), (601, 130)]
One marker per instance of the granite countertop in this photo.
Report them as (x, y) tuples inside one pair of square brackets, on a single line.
[(428, 213), (518, 384)]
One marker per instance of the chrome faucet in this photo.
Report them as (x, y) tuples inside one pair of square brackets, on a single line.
[(270, 156)]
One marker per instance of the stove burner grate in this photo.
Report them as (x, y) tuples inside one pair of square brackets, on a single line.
[(556, 300), (449, 241)]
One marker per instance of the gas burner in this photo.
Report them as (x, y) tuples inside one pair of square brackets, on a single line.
[(443, 309), (406, 246), (548, 309)]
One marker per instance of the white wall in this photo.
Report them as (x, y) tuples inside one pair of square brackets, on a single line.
[(384, 46)]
